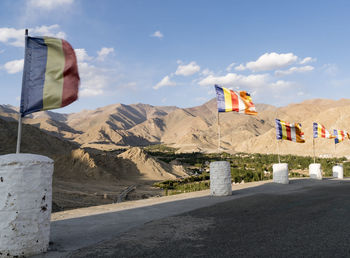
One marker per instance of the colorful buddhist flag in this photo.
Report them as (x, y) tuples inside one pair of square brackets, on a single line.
[(229, 100), (289, 131), (321, 132), (339, 135), (50, 75)]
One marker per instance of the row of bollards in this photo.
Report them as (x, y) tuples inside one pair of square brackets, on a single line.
[(220, 175), (280, 172)]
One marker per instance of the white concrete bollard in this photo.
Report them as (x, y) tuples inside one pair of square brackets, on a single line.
[(25, 204), (220, 178), (280, 173), (315, 171), (338, 171)]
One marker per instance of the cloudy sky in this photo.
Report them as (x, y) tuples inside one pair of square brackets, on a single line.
[(173, 52)]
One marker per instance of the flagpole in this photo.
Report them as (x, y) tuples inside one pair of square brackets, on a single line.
[(278, 150), (19, 134), (313, 144), (218, 132)]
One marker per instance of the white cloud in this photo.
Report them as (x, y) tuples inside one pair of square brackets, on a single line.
[(269, 61), (241, 67), (94, 80), (49, 4), (164, 82), (280, 84), (331, 69), (307, 60), (104, 52), (187, 70), (15, 37), (82, 55), (236, 80), (89, 92), (206, 72), (14, 66), (157, 34), (294, 69), (229, 68)]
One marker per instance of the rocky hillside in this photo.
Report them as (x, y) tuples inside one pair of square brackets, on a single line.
[(194, 129), (85, 177)]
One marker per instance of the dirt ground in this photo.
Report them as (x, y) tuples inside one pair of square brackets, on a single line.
[(72, 195)]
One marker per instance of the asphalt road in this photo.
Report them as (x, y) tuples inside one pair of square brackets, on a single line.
[(310, 222)]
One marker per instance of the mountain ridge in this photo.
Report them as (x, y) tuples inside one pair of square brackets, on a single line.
[(189, 129)]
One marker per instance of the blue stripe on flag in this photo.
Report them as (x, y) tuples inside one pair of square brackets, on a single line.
[(278, 129), (33, 76), (315, 130), (336, 140), (220, 99)]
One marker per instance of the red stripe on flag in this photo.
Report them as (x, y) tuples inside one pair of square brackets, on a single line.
[(323, 132), (289, 134), (234, 99), (70, 75)]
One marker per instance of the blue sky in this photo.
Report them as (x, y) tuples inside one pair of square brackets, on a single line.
[(173, 52)]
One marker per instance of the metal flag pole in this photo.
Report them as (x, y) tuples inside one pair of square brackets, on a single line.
[(19, 135), (278, 141), (313, 145), (278, 150), (218, 132)]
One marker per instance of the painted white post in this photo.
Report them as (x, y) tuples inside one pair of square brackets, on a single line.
[(338, 171), (220, 178), (315, 171), (25, 204), (280, 173)]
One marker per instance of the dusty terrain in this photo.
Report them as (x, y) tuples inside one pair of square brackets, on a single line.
[(87, 177), (93, 167), (195, 129)]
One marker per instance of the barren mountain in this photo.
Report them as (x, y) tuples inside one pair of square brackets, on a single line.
[(85, 177), (194, 129), (148, 167), (332, 114)]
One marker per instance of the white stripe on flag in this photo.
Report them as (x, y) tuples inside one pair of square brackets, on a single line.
[(241, 105), (292, 132)]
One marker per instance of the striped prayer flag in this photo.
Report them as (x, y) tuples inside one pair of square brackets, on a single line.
[(229, 100), (340, 135), (321, 132), (289, 131), (50, 75)]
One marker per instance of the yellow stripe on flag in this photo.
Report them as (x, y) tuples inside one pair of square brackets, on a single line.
[(284, 131), (319, 130), (228, 100), (53, 86)]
